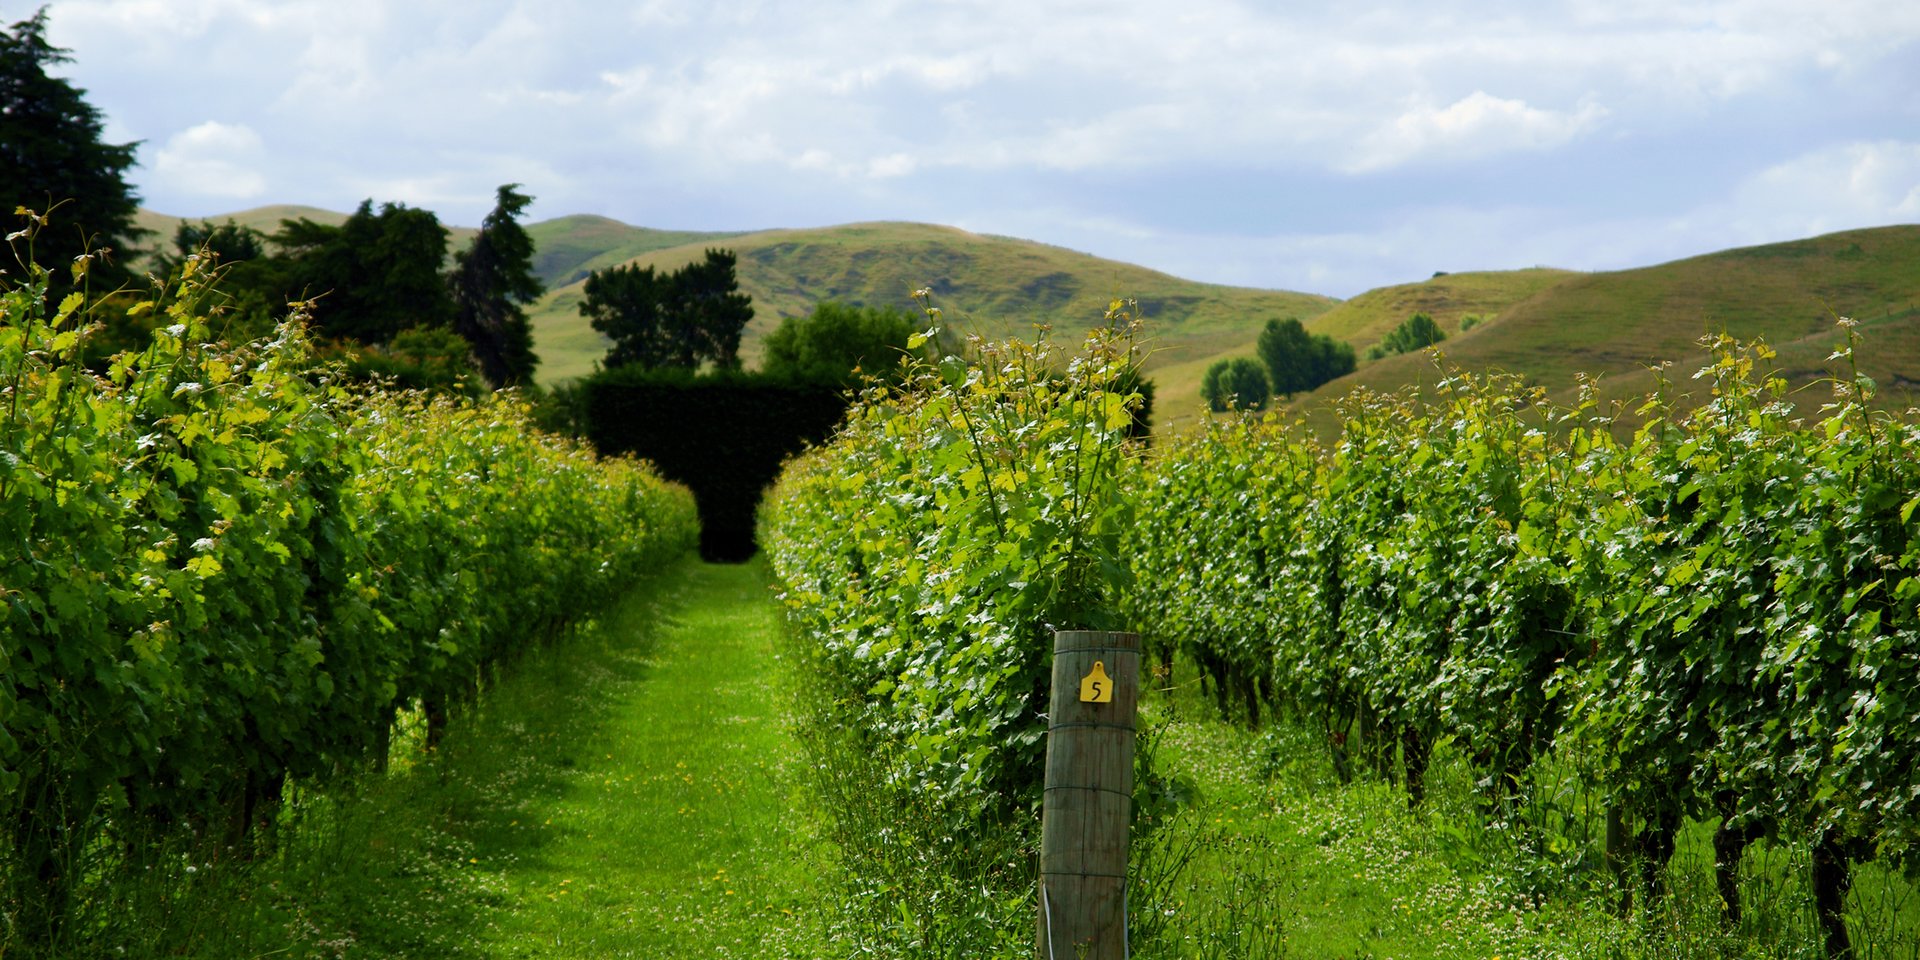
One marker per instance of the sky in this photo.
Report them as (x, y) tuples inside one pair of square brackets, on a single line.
[(1325, 148)]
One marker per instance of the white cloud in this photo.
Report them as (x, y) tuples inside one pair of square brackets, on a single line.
[(214, 159), (890, 166), (1847, 185), (1476, 126), (763, 114)]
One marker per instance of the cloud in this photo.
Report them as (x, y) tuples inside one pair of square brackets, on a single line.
[(1411, 136), (1476, 126), (213, 159), (889, 166), (1847, 185)]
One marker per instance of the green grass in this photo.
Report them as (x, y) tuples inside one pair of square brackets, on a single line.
[(668, 831), (1346, 870)]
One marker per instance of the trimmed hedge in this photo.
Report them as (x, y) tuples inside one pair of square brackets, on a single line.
[(724, 435)]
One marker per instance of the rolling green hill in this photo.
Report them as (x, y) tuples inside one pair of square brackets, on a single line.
[(566, 249), (981, 283), (1618, 325), (1362, 322), (1448, 298), (1547, 325)]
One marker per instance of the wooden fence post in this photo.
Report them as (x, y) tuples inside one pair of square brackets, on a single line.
[(1089, 797)]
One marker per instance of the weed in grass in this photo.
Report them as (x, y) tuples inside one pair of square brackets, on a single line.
[(1220, 896), (906, 882)]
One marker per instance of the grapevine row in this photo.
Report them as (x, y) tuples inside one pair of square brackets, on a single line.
[(1713, 613), (927, 550), (221, 570)]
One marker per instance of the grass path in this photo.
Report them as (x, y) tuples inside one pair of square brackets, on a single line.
[(669, 831), (628, 793)]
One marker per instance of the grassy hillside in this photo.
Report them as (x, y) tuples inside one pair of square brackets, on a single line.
[(1547, 325), (566, 249), (1617, 325), (1362, 322), (1448, 298), (982, 283)]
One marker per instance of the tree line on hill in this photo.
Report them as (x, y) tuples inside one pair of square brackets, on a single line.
[(380, 286), (693, 318), (1290, 361)]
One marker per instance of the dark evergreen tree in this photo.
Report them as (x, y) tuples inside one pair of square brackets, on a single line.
[(229, 242), (711, 311), (681, 319), (490, 282), (375, 275), (624, 304), (51, 158)]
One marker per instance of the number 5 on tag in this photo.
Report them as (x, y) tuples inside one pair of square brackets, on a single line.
[(1096, 686)]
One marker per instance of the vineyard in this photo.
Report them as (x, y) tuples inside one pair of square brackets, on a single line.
[(1600, 633), (1706, 617), (1714, 618), (226, 573)]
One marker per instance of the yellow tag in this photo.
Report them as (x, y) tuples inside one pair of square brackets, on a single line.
[(1097, 687)]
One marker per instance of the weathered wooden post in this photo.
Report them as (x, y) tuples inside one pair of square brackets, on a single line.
[(1089, 797)]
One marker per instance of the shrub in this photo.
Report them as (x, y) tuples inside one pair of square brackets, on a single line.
[(1236, 384)]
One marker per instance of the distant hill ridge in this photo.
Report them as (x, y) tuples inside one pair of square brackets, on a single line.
[(1619, 325), (1544, 324)]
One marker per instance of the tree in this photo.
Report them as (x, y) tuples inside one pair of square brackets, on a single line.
[(252, 282), (1297, 361), (711, 310), (51, 154), (680, 319), (1414, 333), (1287, 350), (375, 275), (623, 304), (1333, 359), (831, 343), (490, 282), (229, 242), (1237, 384)]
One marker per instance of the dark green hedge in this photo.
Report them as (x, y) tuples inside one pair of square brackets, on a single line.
[(723, 434)]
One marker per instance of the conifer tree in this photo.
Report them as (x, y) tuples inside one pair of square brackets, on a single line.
[(491, 280), (51, 156)]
